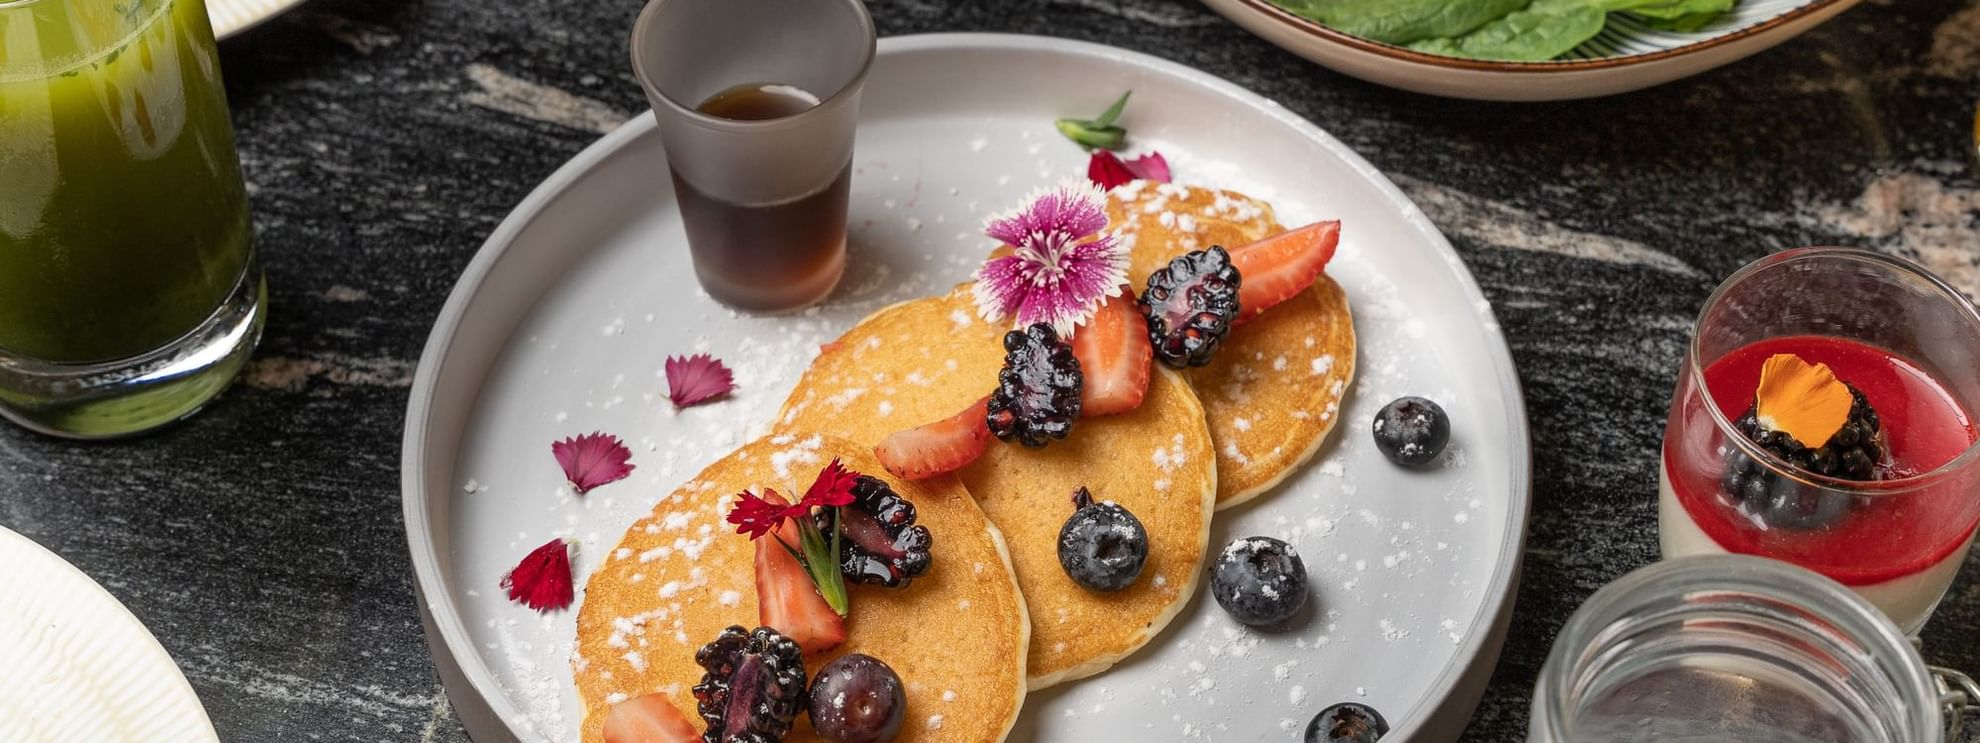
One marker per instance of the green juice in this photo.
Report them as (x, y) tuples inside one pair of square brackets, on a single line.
[(123, 218)]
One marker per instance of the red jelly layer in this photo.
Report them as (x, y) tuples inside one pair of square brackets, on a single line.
[(1890, 536)]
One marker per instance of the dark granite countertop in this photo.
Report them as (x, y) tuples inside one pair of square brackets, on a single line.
[(384, 139)]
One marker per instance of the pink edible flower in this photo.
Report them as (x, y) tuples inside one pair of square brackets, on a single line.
[(1108, 171), (697, 379), (1062, 265), (542, 581), (592, 460)]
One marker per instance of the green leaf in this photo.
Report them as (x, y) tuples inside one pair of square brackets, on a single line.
[(1113, 112), (1092, 134), (1098, 131), (1403, 21), (1547, 29), (821, 560), (1672, 10), (1683, 24)]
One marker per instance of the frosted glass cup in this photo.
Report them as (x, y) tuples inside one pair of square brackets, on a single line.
[(763, 200)]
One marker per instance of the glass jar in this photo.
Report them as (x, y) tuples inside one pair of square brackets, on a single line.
[(129, 292), (1907, 343), (1734, 647)]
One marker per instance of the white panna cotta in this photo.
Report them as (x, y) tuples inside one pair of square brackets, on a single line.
[(1908, 600)]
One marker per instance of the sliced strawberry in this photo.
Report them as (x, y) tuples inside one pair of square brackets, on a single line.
[(939, 447), (1114, 355), (787, 600), (1279, 267), (649, 718)]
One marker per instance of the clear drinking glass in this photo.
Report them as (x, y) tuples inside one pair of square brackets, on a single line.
[(129, 292), (763, 198), (1911, 345), (1735, 648)]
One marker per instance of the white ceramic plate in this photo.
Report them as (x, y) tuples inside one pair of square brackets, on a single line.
[(561, 324), (1626, 56), (78, 666), (234, 16)]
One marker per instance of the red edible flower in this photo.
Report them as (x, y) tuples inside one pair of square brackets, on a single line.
[(697, 379), (542, 581), (834, 487), (1107, 171), (759, 515), (592, 460)]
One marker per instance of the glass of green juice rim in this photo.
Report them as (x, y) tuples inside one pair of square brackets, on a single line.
[(129, 290)]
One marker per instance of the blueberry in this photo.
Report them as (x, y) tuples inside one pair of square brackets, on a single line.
[(1412, 431), (1347, 722), (857, 699), (1259, 581), (1102, 546)]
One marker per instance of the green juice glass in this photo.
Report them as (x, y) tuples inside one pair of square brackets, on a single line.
[(129, 290)]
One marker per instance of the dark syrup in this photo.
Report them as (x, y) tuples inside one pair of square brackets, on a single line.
[(776, 256)]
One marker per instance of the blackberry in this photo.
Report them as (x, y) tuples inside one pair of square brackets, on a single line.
[(879, 541), (752, 688), (1102, 546), (857, 699), (1259, 581), (1190, 305), (1853, 453), (1037, 397)]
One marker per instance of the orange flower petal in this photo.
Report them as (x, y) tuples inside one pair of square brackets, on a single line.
[(1802, 400)]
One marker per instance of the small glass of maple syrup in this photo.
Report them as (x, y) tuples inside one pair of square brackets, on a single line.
[(756, 102)]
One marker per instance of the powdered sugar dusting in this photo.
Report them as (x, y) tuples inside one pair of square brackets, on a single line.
[(1422, 554)]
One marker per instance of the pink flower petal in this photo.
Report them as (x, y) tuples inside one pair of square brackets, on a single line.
[(697, 379), (1000, 285), (542, 581), (1061, 267), (1150, 167), (1107, 171), (592, 460)]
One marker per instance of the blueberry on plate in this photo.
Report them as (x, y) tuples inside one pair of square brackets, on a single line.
[(1347, 722), (857, 699), (1259, 581), (1102, 546), (1412, 431)]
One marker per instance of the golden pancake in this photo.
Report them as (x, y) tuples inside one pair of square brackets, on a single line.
[(1273, 391), (957, 635), (927, 359)]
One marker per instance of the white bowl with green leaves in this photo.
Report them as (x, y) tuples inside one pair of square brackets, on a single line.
[(1526, 50)]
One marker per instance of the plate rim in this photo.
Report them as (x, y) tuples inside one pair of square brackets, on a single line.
[(1326, 34), (444, 619), (267, 11), (181, 690)]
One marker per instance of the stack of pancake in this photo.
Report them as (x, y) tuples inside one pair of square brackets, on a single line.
[(995, 615)]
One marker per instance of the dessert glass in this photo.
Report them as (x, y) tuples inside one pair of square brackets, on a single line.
[(1911, 343), (1733, 647)]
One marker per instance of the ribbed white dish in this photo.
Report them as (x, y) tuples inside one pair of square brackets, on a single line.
[(75, 665), (1626, 56), (234, 16)]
